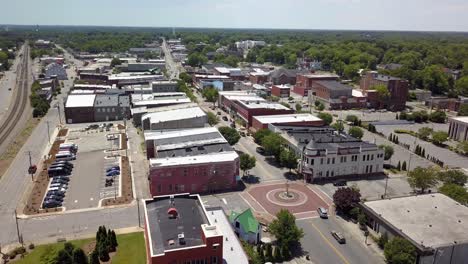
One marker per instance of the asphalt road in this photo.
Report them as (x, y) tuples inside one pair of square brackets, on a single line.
[(173, 68), (322, 248)]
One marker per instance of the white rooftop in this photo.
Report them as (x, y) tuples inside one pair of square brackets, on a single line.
[(94, 86), (283, 86), (177, 114), (262, 104), (156, 102), (321, 75), (233, 253), (201, 76), (80, 100), (274, 119), (430, 220), (463, 119), (163, 134), (199, 159), (357, 93)]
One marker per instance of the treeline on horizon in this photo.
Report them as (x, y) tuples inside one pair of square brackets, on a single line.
[(423, 55)]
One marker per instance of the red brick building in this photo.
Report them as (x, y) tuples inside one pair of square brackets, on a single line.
[(178, 230), (296, 120), (258, 77), (195, 160), (304, 82), (281, 90), (336, 95), (397, 87)]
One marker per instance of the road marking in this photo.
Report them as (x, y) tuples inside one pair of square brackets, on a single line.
[(76, 201), (224, 201), (330, 244)]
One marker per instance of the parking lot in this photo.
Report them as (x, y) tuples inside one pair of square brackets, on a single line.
[(98, 150)]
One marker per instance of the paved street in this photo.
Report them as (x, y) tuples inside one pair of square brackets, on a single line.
[(8, 82), (324, 249)]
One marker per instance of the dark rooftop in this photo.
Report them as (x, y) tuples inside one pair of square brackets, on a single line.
[(164, 229), (335, 86)]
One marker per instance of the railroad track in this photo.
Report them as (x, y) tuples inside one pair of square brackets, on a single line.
[(16, 111)]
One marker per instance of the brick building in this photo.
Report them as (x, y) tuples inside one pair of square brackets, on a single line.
[(397, 87), (281, 90), (193, 160), (304, 82), (285, 76), (79, 108), (258, 77), (335, 95), (177, 230), (297, 120), (174, 119)]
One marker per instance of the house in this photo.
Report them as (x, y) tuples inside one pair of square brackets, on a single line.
[(436, 225), (56, 70), (284, 76), (79, 108), (246, 226)]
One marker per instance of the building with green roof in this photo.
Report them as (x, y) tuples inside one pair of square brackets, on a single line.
[(246, 226)]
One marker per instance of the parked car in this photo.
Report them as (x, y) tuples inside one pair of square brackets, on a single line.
[(111, 137), (225, 118), (51, 204), (113, 168), (322, 212), (62, 178), (63, 162), (57, 193), (54, 197), (112, 173), (59, 180), (219, 113), (339, 237), (59, 185), (260, 150), (339, 183)]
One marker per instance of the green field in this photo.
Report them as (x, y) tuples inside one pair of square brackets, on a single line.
[(131, 250)]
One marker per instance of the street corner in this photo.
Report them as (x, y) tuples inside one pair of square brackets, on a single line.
[(295, 197)]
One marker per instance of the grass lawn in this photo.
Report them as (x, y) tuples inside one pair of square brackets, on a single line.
[(131, 249)]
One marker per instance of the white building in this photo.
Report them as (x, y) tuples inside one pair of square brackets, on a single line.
[(458, 128), (435, 224), (175, 119)]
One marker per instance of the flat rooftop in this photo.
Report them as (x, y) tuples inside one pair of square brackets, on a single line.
[(429, 220), (263, 105), (233, 252), (156, 102), (163, 229), (275, 119), (192, 160), (80, 100), (321, 75), (335, 86), (463, 119), (176, 114)]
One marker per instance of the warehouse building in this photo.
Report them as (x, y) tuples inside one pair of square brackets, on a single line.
[(138, 112), (300, 120), (174, 119), (164, 86), (84, 108), (435, 224)]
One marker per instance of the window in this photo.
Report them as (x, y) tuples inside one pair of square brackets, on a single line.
[(372, 157), (214, 260), (170, 187), (182, 187), (311, 161), (327, 174), (194, 186), (364, 158), (328, 160), (332, 173), (321, 161), (159, 187), (176, 187), (98, 110), (333, 161)]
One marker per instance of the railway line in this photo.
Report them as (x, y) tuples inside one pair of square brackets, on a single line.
[(19, 104)]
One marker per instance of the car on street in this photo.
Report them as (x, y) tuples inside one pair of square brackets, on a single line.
[(323, 213), (242, 133), (112, 173), (62, 162), (260, 150), (339, 183), (219, 113), (338, 236), (225, 118)]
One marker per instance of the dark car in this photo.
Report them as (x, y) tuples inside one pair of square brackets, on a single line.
[(113, 168), (59, 180), (339, 237), (57, 193), (62, 162), (260, 150), (54, 197), (51, 204), (339, 183), (62, 178), (112, 173), (225, 118)]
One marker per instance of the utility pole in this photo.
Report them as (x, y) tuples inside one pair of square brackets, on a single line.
[(386, 184), (60, 117), (20, 240), (30, 165), (48, 132), (138, 207)]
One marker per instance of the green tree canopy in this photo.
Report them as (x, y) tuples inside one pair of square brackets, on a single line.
[(258, 136), (288, 159), (388, 151), (424, 132), (345, 199), (422, 178), (210, 94), (463, 111), (326, 117), (382, 91), (461, 86), (434, 79), (115, 62), (286, 232), (213, 119), (439, 137), (247, 162), (338, 126), (438, 117), (273, 144), (456, 192), (230, 134), (79, 257), (453, 177), (399, 251), (356, 132)]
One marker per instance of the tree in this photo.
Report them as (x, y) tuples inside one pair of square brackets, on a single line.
[(285, 230), (353, 119), (326, 117), (79, 257), (463, 111), (438, 117), (356, 132), (338, 126), (185, 77), (288, 159), (388, 151), (63, 257), (210, 94), (399, 251), (212, 118), (461, 86), (260, 134), (94, 257), (196, 59), (463, 147), (434, 79), (453, 177), (382, 92), (422, 178), (247, 162), (424, 133), (273, 144), (115, 62), (255, 257), (439, 137), (346, 199), (103, 251), (398, 166), (230, 134), (455, 191), (298, 107), (320, 107), (403, 166)]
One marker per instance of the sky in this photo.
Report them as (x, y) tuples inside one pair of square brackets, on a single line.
[(417, 15)]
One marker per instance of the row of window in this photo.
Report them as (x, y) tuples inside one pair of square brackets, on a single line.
[(176, 187), (331, 173), (108, 110), (343, 159), (214, 260)]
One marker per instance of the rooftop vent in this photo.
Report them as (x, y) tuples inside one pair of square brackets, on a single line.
[(170, 242), (181, 238)]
